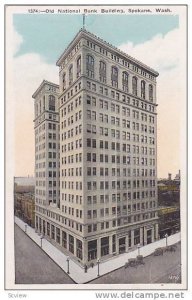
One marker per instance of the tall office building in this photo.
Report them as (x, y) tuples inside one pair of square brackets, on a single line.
[(46, 125), (108, 156)]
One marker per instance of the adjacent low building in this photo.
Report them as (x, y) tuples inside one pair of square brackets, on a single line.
[(169, 205), (24, 199)]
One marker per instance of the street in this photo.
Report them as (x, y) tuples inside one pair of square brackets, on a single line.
[(34, 266), (165, 268)]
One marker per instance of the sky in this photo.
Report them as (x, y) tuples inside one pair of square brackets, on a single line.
[(38, 41)]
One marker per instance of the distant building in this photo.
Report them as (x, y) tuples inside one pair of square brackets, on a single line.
[(169, 206), (25, 207), (24, 199), (24, 181), (177, 177), (169, 220)]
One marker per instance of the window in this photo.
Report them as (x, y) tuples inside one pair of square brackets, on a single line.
[(70, 74), (143, 89), (134, 86), (51, 102), (114, 77), (53, 232), (79, 249), (64, 81), (102, 71), (71, 243), (58, 235), (104, 246), (125, 81), (78, 66), (90, 66), (92, 250), (150, 92)]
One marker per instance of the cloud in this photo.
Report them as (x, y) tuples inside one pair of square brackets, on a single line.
[(28, 70), (16, 41), (166, 54), (161, 52)]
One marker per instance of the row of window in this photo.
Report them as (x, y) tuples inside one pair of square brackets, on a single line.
[(114, 184), (60, 236), (77, 158), (78, 213), (104, 105), (104, 185), (70, 107), (90, 72), (117, 198), (120, 221), (43, 174), (39, 129), (93, 171), (92, 143), (119, 96), (117, 159), (71, 198), (114, 133), (118, 210), (40, 106), (118, 59), (124, 172), (93, 115), (104, 158)]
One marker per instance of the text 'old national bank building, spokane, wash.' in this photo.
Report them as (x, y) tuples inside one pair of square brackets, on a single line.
[(96, 152)]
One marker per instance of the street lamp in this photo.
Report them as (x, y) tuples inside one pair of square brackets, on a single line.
[(68, 259), (166, 236), (25, 228), (42, 237), (138, 247), (98, 262)]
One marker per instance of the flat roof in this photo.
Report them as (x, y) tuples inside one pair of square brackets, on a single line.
[(44, 82), (84, 33)]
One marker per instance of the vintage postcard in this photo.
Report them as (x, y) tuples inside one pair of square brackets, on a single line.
[(96, 135)]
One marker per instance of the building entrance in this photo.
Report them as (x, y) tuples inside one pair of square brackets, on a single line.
[(122, 245), (149, 236)]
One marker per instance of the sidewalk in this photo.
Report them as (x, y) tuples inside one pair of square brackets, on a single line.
[(76, 271)]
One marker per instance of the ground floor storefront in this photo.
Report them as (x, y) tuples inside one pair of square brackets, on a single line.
[(88, 250)]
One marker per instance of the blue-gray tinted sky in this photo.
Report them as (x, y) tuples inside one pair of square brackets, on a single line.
[(49, 35)]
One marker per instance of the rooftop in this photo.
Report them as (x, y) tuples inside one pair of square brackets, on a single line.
[(84, 33), (43, 83)]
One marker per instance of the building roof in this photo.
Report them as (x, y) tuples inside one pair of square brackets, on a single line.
[(43, 83), (161, 184), (25, 181), (84, 33)]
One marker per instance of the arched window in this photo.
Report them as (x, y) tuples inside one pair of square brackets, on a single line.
[(114, 77), (134, 86), (52, 102), (102, 71), (70, 74), (125, 81), (36, 110), (143, 89), (64, 81), (90, 66), (150, 92), (43, 103), (78, 66)]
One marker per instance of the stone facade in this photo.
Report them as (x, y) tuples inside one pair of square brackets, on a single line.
[(108, 158)]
